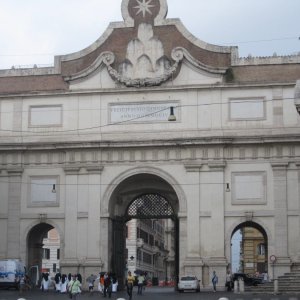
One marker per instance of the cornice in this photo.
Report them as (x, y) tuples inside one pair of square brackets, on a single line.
[(154, 89)]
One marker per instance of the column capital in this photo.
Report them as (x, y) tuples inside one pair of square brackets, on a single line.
[(17, 172), (279, 166), (193, 167), (217, 165)]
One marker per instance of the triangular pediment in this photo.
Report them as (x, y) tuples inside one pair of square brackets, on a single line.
[(146, 50)]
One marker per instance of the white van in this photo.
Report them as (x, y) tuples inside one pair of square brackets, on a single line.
[(10, 271)]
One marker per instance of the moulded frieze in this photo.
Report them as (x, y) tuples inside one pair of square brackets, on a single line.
[(83, 157), (192, 154), (242, 153), (61, 158), (167, 154), (178, 154), (268, 152), (228, 153), (71, 157), (38, 158), (50, 158), (217, 153), (255, 153), (132, 155), (279, 152), (120, 155), (292, 151)]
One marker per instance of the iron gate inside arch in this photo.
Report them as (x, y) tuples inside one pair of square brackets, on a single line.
[(150, 206)]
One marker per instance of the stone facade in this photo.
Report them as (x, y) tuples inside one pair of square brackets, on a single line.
[(94, 128)]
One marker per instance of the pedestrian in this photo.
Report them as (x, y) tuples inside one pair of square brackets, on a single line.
[(140, 280), (101, 283), (129, 283), (107, 285), (21, 284), (74, 287), (214, 281), (229, 282), (114, 283), (91, 280), (57, 280), (45, 282), (64, 283)]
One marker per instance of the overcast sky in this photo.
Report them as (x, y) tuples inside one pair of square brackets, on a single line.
[(33, 31)]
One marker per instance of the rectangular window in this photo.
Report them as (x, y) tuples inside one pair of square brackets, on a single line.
[(58, 254), (45, 116), (249, 188), (46, 253), (247, 109), (44, 191), (147, 258)]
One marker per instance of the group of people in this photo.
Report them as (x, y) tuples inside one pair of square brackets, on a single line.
[(130, 283), (63, 284), (107, 284)]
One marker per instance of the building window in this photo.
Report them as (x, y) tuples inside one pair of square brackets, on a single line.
[(58, 254), (247, 109), (45, 116), (147, 258), (261, 249), (46, 253), (43, 191)]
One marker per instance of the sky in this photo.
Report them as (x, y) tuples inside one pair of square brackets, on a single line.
[(34, 31)]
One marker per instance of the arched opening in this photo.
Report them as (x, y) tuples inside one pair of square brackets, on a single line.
[(43, 251), (145, 229), (249, 249)]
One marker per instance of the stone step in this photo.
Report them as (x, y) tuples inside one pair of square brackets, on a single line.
[(287, 283)]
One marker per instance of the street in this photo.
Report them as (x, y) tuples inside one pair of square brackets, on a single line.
[(149, 294)]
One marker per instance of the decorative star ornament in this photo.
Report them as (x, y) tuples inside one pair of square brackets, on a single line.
[(144, 7)]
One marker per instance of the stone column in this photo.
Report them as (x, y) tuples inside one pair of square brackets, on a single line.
[(14, 213), (282, 264)]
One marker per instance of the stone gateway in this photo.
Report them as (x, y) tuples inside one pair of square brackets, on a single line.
[(81, 141)]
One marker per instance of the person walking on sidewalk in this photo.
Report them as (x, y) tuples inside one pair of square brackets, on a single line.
[(141, 280), (129, 283), (214, 281)]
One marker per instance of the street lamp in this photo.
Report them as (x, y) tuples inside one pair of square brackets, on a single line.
[(172, 116)]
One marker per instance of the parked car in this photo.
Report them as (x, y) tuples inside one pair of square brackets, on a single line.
[(248, 280), (189, 283)]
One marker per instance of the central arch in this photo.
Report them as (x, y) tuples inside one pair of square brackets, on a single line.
[(141, 195)]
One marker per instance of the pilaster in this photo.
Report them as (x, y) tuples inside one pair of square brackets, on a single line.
[(193, 210), (280, 217), (14, 212)]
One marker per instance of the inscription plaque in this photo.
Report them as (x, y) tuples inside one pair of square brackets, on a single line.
[(150, 112)]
